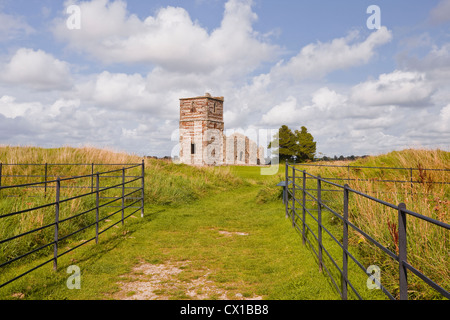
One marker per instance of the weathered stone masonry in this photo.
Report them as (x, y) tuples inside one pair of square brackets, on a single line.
[(202, 138)]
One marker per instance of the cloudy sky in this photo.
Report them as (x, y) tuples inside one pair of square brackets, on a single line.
[(115, 78)]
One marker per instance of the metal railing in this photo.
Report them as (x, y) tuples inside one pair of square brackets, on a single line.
[(45, 170), (127, 182), (411, 178), (305, 195)]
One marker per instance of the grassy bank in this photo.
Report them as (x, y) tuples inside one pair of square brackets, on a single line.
[(166, 183), (428, 245)]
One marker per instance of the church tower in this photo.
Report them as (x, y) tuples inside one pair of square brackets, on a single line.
[(201, 130)]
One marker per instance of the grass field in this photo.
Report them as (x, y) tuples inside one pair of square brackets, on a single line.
[(207, 233)]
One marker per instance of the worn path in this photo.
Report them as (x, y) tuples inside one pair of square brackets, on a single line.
[(227, 246)]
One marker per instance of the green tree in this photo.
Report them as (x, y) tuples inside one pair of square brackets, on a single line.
[(298, 144), (305, 145), (286, 143)]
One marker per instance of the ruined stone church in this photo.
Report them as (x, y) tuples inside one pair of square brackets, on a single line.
[(202, 138)]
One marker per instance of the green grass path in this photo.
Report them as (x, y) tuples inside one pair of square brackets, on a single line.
[(226, 245)]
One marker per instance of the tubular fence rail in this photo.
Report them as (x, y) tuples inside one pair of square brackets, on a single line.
[(98, 198), (46, 167), (299, 195), (410, 173)]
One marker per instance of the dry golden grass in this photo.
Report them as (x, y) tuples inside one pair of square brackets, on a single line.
[(36, 155)]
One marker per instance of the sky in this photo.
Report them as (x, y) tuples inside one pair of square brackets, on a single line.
[(110, 73)]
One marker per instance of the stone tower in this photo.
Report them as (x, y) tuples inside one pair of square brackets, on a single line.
[(201, 130)]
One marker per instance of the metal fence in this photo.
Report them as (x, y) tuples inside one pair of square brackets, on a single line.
[(296, 200), (125, 197), (45, 173), (412, 175)]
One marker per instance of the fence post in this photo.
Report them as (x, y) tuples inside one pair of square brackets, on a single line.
[(411, 179), (304, 206), (143, 184), (123, 194), (45, 184), (319, 219), (97, 200), (92, 178), (293, 195), (55, 246), (1, 167), (286, 188), (345, 245), (402, 252)]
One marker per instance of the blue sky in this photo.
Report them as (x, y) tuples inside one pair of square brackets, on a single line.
[(116, 81)]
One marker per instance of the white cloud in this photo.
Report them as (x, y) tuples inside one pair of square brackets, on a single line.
[(283, 113), (156, 94), (317, 60), (140, 131), (325, 105), (436, 63), (60, 122), (326, 99), (56, 108), (124, 91), (35, 110), (37, 70), (445, 118), (11, 109), (169, 39), (396, 88)]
